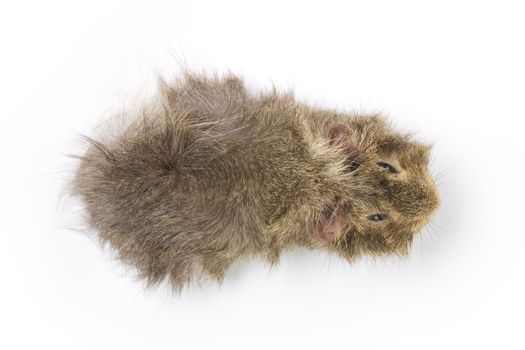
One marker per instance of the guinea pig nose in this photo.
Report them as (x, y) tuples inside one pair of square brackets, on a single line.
[(435, 201)]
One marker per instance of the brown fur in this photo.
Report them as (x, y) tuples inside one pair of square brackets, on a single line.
[(212, 174)]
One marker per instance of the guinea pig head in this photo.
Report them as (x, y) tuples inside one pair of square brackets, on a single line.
[(391, 195)]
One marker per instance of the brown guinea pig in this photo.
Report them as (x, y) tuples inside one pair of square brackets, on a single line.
[(208, 174)]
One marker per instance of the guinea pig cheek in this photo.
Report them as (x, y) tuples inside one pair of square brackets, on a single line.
[(330, 223)]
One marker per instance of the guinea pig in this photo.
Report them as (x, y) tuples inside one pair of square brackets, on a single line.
[(209, 173)]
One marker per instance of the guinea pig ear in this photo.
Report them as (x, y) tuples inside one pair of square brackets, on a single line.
[(329, 225), (340, 135)]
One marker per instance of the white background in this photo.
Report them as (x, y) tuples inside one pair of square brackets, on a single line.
[(451, 70)]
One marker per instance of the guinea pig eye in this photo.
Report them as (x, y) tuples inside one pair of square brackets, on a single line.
[(378, 217), (388, 167)]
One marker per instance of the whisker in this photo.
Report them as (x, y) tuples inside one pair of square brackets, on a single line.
[(431, 232), (443, 172), (436, 225), (421, 248)]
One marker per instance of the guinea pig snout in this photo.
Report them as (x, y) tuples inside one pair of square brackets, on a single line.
[(413, 199)]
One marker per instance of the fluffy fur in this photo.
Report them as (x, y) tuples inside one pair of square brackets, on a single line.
[(211, 174)]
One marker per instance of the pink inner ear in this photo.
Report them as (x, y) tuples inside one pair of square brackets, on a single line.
[(339, 134), (325, 230)]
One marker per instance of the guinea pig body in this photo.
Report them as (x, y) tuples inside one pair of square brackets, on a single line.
[(210, 174)]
